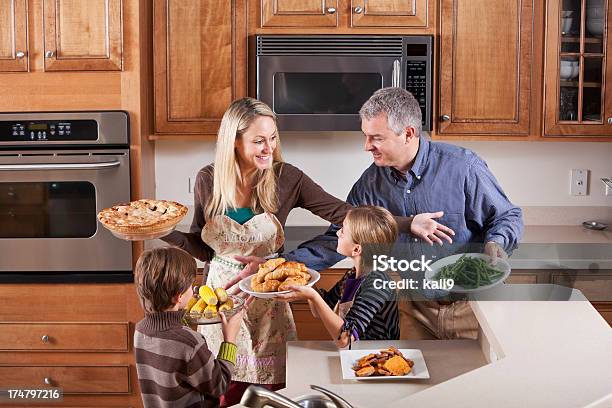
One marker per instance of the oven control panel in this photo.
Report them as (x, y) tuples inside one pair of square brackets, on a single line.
[(48, 130), (416, 84)]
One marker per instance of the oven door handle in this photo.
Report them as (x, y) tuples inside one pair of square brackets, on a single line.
[(60, 166), (396, 75)]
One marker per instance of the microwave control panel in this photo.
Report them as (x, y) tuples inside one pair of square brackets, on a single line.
[(416, 84), (48, 130)]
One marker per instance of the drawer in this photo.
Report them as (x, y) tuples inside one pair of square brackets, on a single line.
[(111, 337), (522, 278), (72, 379), (595, 286)]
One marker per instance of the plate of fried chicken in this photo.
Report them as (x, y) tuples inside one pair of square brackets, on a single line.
[(386, 364)]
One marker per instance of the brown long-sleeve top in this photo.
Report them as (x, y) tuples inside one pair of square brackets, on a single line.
[(294, 189)]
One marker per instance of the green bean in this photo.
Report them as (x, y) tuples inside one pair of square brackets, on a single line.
[(470, 272)]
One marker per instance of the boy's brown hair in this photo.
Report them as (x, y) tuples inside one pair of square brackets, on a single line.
[(374, 228), (160, 275)]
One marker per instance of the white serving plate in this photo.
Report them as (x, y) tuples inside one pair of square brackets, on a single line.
[(502, 265), (349, 357), (245, 286)]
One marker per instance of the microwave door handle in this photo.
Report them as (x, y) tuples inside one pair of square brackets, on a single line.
[(395, 76), (60, 166)]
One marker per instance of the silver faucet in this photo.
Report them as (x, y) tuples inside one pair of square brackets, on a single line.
[(258, 397)]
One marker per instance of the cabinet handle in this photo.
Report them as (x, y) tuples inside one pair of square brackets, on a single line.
[(45, 339), (331, 10), (20, 54), (49, 54), (48, 381), (358, 10), (445, 118), (609, 121)]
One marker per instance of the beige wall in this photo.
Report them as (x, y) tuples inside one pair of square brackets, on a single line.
[(535, 175)]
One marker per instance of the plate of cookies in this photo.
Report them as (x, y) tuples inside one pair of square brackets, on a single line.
[(386, 364), (275, 275)]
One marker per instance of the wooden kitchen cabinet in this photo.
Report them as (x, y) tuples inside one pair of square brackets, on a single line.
[(14, 55), (299, 13), (200, 63), (82, 35), (329, 13), (485, 67), (578, 70)]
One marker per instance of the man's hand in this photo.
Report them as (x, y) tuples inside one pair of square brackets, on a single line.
[(429, 230), (494, 250), (251, 266)]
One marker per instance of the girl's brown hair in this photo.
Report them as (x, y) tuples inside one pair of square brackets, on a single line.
[(374, 228), (160, 275)]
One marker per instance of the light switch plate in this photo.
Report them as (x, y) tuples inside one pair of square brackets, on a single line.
[(608, 182), (579, 182)]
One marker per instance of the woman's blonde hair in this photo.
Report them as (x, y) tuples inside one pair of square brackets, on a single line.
[(236, 120), (161, 274), (374, 228)]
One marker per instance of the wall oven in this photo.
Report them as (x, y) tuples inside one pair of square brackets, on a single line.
[(57, 171), (319, 82)]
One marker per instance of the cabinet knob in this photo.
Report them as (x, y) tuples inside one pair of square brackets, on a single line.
[(609, 121), (20, 54), (45, 339), (331, 10), (48, 381), (357, 10), (49, 54), (445, 118)]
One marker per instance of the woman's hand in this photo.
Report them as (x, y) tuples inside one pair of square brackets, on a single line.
[(298, 293), (251, 266), (429, 230)]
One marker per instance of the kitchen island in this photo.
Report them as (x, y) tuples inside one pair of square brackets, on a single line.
[(529, 354)]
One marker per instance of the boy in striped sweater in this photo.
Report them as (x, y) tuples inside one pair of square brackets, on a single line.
[(174, 365), (355, 308)]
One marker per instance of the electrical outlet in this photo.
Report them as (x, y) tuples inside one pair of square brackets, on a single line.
[(608, 182), (579, 182), (190, 187)]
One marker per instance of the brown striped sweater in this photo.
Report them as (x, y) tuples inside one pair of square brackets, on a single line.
[(175, 367)]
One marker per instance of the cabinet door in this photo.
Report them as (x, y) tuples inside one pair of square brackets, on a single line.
[(299, 13), (200, 63), (485, 67), (82, 35), (13, 36), (389, 13), (578, 100)]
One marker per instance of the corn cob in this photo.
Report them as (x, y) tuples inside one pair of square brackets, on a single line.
[(191, 303), (199, 306), (228, 305), (221, 295), (210, 311), (208, 295)]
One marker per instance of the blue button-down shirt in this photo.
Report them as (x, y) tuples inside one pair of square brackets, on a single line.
[(444, 177)]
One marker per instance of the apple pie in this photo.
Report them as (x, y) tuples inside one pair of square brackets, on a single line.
[(142, 216)]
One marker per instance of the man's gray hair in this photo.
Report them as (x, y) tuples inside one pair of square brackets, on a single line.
[(401, 107)]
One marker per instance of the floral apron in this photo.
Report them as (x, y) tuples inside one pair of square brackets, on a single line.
[(268, 324)]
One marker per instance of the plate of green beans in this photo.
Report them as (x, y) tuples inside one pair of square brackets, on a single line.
[(470, 272)]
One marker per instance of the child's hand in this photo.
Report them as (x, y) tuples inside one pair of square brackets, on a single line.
[(231, 327), (298, 293)]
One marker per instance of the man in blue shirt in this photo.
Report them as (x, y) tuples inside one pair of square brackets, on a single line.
[(413, 176)]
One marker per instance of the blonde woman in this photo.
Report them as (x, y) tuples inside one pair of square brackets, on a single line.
[(241, 204)]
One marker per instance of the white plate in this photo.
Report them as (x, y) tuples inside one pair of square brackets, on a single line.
[(245, 286), (349, 357), (502, 265), (200, 318)]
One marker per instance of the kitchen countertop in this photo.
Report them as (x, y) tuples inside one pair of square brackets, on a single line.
[(540, 354)]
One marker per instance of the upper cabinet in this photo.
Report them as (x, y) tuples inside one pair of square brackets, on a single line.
[(330, 13), (388, 13), (578, 70), (299, 13), (200, 63), (485, 67), (13, 36), (82, 35)]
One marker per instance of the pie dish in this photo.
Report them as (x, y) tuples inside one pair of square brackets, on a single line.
[(142, 219)]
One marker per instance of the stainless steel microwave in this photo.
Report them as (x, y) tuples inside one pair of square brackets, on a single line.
[(319, 82)]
